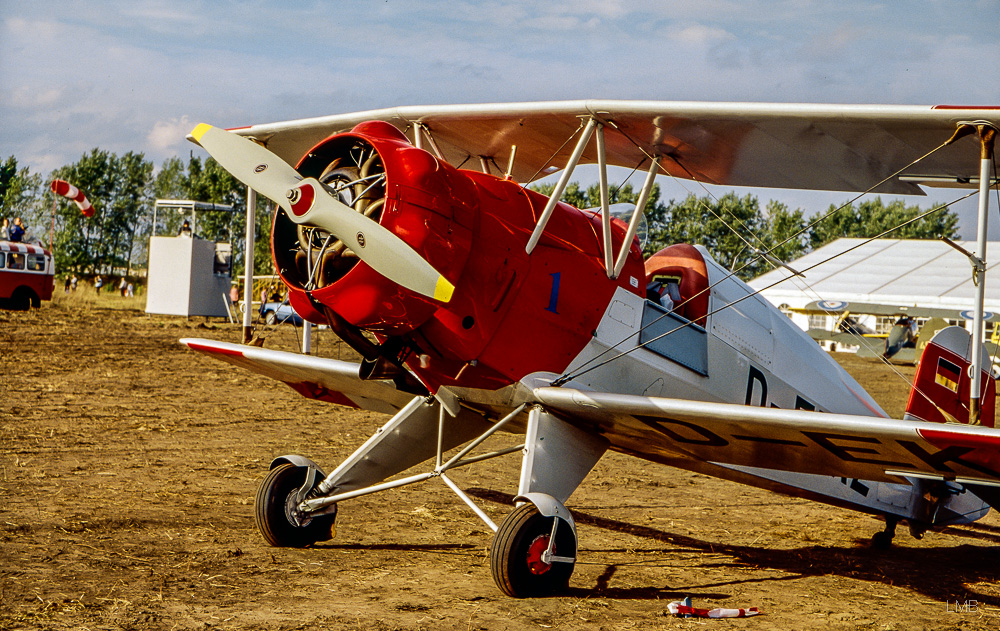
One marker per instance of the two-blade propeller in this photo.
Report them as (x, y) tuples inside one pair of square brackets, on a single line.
[(307, 202)]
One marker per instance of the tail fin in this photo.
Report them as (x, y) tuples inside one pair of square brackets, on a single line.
[(941, 386)]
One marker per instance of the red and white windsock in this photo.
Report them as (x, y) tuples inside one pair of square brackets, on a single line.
[(64, 188)]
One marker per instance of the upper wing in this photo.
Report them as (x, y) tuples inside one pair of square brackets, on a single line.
[(789, 440), (312, 377), (809, 146)]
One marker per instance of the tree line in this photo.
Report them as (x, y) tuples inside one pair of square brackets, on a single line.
[(736, 229), (123, 189)]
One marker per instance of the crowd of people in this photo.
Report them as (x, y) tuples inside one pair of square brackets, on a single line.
[(12, 231), (125, 288)]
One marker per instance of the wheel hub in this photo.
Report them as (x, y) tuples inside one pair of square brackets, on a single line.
[(292, 512), (535, 563)]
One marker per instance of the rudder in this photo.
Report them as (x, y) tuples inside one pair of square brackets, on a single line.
[(940, 390)]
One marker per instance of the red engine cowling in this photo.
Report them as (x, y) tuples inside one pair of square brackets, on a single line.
[(510, 314), (427, 203)]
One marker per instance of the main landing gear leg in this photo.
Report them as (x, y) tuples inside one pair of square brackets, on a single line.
[(534, 550), (883, 540), (409, 438)]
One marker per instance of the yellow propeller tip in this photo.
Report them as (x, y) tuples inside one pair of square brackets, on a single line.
[(199, 131), (443, 289)]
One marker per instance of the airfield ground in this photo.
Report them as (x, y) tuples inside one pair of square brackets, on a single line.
[(128, 467)]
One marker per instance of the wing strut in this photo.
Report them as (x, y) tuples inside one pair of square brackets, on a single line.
[(987, 137), (557, 192), (596, 129), (633, 224), (248, 250), (418, 139)]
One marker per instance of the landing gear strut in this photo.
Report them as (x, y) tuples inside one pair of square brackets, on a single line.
[(532, 555), (883, 540)]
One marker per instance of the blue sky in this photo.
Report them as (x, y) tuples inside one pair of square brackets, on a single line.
[(139, 75)]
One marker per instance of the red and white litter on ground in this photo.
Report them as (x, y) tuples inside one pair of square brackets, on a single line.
[(679, 608)]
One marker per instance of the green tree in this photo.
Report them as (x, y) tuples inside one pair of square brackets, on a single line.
[(113, 239), (873, 217), (22, 195), (576, 196), (130, 210), (731, 227), (208, 182), (170, 183), (8, 178), (78, 244), (785, 236)]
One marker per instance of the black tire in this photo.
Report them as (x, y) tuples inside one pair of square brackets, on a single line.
[(882, 540), (22, 300), (515, 555), (274, 511), (270, 318)]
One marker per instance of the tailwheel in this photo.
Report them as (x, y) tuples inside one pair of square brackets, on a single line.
[(276, 511), (520, 557)]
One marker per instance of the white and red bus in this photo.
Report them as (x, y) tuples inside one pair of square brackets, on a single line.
[(27, 275)]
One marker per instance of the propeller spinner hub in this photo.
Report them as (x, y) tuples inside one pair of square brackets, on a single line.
[(301, 199)]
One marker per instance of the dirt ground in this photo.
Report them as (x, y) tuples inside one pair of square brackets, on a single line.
[(128, 467)]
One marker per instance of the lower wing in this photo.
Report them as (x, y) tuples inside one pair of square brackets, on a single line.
[(312, 377), (789, 440)]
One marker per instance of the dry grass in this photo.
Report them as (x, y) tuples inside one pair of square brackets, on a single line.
[(86, 297)]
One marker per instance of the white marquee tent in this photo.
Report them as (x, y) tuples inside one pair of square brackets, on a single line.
[(899, 272)]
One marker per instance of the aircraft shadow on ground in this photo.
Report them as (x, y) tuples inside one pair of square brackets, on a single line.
[(939, 573), (401, 547)]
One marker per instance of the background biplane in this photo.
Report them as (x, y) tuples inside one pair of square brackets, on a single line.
[(885, 297), (479, 305), (912, 329)]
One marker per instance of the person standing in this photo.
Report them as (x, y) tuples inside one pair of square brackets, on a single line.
[(5, 230), (17, 231), (122, 286), (98, 283)]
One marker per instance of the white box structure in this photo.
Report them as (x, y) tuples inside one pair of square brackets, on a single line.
[(183, 279)]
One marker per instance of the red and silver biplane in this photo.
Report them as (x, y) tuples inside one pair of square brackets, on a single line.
[(479, 305)]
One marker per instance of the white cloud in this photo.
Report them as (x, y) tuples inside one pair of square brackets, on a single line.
[(135, 76), (25, 98), (169, 134), (699, 35), (43, 162)]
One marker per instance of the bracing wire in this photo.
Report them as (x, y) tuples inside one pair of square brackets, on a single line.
[(734, 272), (581, 370), (554, 154)]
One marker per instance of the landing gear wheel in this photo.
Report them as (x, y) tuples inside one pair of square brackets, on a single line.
[(22, 300), (276, 516), (516, 554)]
